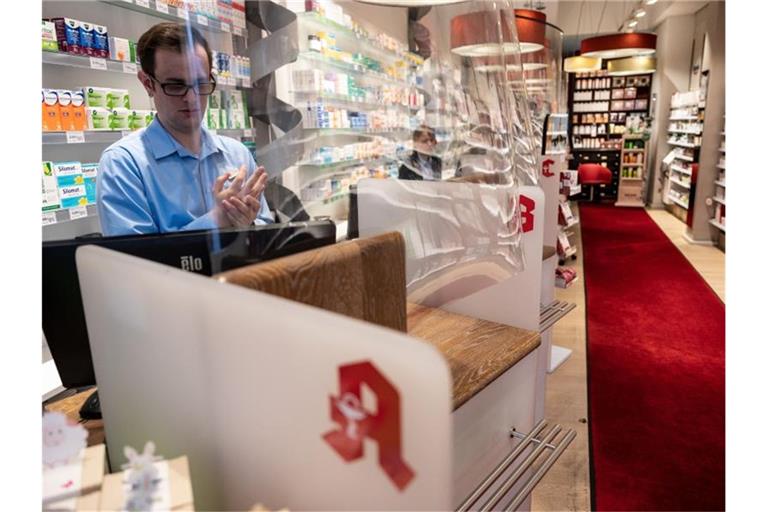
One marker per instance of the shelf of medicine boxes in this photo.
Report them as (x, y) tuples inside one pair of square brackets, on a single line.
[(347, 101), (161, 9), (358, 41), (117, 66), (350, 67), (110, 136), (69, 214)]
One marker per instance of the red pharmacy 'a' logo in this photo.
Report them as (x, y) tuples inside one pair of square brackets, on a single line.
[(546, 166), (355, 423)]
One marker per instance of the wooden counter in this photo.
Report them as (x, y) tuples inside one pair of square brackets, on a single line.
[(477, 351)]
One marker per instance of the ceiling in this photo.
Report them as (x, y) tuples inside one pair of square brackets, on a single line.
[(588, 17)]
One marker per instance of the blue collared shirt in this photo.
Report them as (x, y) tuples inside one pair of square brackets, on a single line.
[(148, 182)]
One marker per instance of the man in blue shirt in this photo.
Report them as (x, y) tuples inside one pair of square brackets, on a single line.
[(175, 174)]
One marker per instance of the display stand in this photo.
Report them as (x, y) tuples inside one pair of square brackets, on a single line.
[(686, 121), (632, 175), (718, 200)]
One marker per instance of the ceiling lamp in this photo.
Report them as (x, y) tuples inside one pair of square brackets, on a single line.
[(632, 66), (410, 3), (581, 64), (615, 46), (475, 34)]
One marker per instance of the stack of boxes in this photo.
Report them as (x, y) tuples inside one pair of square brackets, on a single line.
[(68, 185), (227, 110), (91, 108), (84, 38)]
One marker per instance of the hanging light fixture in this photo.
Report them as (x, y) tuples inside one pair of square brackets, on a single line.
[(580, 63), (632, 66), (615, 46), (475, 34)]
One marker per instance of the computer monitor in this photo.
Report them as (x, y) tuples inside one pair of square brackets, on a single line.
[(203, 252)]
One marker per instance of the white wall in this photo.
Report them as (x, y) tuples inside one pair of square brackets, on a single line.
[(673, 62)]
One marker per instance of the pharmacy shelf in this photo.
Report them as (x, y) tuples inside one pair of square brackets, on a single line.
[(717, 225), (721, 149), (349, 67), (359, 132), (175, 14), (118, 66), (683, 132), (572, 191), (680, 183), (681, 144), (349, 102), (631, 179), (680, 170), (69, 214), (109, 137), (686, 118), (720, 183), (684, 158), (641, 150), (718, 200), (678, 202), (631, 165), (557, 133), (570, 224), (721, 166), (358, 42), (341, 164)]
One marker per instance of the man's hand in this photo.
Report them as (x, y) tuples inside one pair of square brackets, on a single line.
[(239, 204)]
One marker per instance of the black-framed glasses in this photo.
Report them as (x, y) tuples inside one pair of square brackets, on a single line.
[(181, 89)]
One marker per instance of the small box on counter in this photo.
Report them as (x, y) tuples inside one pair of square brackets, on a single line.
[(75, 486), (173, 492)]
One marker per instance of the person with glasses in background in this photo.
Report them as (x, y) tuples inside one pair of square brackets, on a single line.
[(423, 162), (175, 174)]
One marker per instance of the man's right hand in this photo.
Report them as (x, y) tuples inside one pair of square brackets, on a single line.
[(238, 204), (220, 194)]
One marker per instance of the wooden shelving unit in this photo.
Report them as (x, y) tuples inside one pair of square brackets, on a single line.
[(718, 218), (632, 170)]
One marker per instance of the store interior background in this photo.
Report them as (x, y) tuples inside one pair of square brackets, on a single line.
[(689, 32)]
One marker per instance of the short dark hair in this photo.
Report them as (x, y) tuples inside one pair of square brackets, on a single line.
[(169, 36)]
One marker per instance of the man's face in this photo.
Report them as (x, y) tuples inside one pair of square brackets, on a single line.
[(182, 114)]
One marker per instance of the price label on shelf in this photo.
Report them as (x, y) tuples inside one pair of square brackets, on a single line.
[(237, 31), (98, 63), (143, 3), (130, 67), (75, 137), (202, 20), (248, 132), (161, 6), (225, 27), (49, 218), (78, 212)]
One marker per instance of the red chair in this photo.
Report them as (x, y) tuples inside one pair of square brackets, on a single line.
[(594, 175)]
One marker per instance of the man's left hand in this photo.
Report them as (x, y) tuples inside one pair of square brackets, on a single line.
[(243, 208)]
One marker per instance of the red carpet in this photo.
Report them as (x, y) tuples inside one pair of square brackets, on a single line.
[(656, 364)]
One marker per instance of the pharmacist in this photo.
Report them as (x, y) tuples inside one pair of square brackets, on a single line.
[(422, 164), (175, 174)]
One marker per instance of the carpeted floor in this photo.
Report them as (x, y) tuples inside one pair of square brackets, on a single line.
[(656, 368)]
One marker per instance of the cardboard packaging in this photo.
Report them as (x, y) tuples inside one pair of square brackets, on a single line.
[(85, 495), (67, 34), (96, 96), (77, 107), (137, 119), (85, 33), (118, 98), (118, 119), (120, 49), (66, 110), (97, 117), (177, 489), (51, 114), (50, 188), (50, 43), (90, 171), (100, 41)]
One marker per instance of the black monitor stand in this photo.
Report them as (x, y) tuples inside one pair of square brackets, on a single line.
[(91, 408)]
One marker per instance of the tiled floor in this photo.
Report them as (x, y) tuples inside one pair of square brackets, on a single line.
[(566, 486)]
